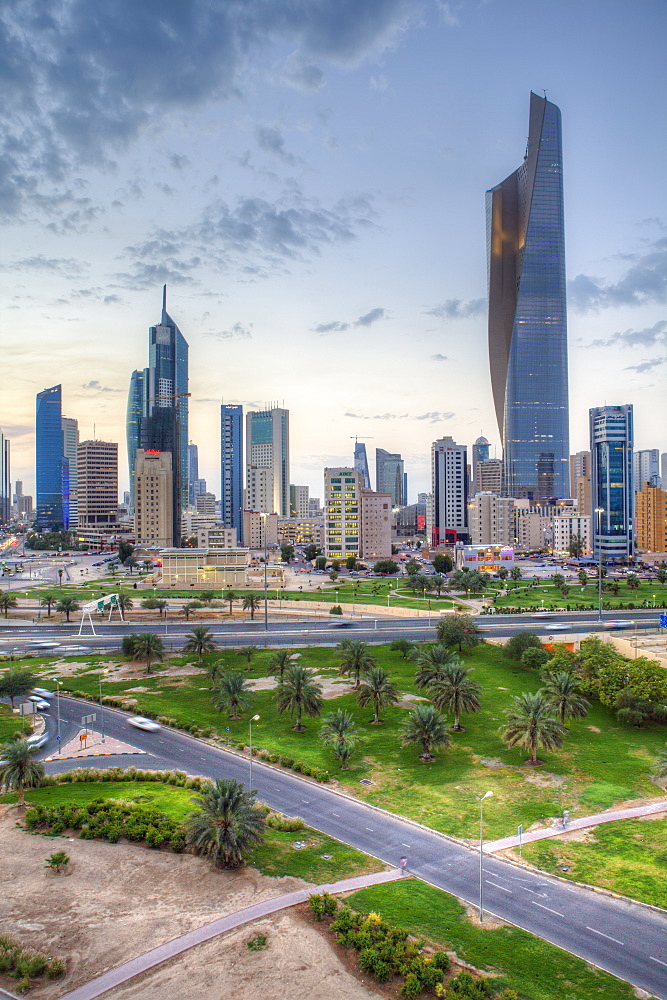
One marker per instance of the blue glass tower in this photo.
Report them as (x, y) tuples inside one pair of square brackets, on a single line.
[(136, 409), (527, 314), (231, 467), (51, 472), (361, 463), (612, 490)]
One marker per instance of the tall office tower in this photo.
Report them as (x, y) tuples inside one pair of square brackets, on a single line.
[(70, 444), (5, 480), (267, 461), (663, 469), (231, 467), (193, 471), (450, 492), (361, 463), (198, 486), (154, 499), (389, 476), (651, 505), (97, 465), (580, 467), (136, 410), (375, 534), (491, 519), (480, 453), (489, 476), (646, 468), (18, 490), (342, 513), (298, 501), (50, 463), (527, 314), (612, 496)]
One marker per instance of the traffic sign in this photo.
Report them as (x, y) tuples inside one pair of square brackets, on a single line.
[(87, 719), (663, 621)]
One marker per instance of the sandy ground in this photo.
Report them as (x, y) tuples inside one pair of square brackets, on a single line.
[(121, 900)]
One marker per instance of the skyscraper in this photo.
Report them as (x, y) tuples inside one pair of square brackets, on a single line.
[(361, 463), (389, 476), (70, 444), (612, 498), (646, 468), (527, 314), (449, 462), (480, 453), (5, 480), (193, 471), (231, 467), (136, 409), (267, 461), (97, 466), (50, 464)]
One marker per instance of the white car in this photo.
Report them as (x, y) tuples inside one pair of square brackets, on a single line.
[(42, 693), (559, 627), (620, 623), (41, 705), (141, 722)]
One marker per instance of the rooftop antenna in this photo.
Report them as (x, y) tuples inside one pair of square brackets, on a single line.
[(164, 298)]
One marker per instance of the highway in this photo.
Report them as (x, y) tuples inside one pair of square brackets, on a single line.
[(624, 938)]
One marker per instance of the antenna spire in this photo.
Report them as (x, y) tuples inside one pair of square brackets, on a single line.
[(164, 298)]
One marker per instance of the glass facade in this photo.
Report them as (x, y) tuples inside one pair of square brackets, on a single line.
[(527, 314), (50, 470), (135, 411), (5, 480), (389, 476), (612, 482), (231, 468), (361, 463)]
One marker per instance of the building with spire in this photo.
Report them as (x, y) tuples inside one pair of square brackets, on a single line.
[(527, 314), (361, 463)]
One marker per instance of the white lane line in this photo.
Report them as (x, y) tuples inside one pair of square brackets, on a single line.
[(607, 936), (547, 908), (652, 959), (534, 891), (370, 829), (489, 882), (404, 845), (337, 815)]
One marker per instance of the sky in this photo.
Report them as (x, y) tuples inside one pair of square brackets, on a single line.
[(308, 178)]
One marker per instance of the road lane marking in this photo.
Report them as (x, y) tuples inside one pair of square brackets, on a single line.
[(405, 845), (607, 936), (337, 815), (489, 882), (370, 829), (534, 891), (652, 959), (547, 908)]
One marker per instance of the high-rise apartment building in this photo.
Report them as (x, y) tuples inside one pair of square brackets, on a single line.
[(489, 476), (267, 461), (298, 501), (449, 462), (390, 476), (193, 471), (231, 467), (154, 498), (480, 453), (70, 444), (205, 504), (491, 519), (5, 480), (651, 515), (97, 464), (527, 314), (342, 513), (361, 463), (50, 464), (375, 535), (646, 468), (580, 468), (612, 492)]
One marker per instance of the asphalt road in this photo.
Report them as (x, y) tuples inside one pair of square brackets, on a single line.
[(624, 938)]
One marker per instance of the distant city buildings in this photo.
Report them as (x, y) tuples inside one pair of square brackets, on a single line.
[(491, 519), (646, 468), (612, 492), (154, 513), (70, 428), (193, 471), (5, 480), (361, 463), (299, 501), (97, 464), (480, 453), (390, 476), (267, 461), (651, 518), (375, 525)]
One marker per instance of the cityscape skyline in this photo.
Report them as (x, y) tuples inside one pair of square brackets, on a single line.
[(340, 265)]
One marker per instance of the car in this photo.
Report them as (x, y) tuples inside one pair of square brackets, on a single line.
[(620, 623), (41, 705), (42, 693), (341, 624), (559, 627), (544, 614), (140, 722), (43, 645)]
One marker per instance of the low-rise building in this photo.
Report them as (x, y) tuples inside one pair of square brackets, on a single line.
[(217, 537), (565, 528), (301, 531), (485, 558), (260, 530)]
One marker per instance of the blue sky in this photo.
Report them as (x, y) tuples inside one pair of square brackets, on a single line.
[(308, 177)]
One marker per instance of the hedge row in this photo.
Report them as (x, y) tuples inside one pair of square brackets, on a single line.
[(109, 819), (178, 778)]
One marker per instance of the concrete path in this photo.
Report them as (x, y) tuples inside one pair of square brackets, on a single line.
[(583, 823), (142, 963), (93, 747)]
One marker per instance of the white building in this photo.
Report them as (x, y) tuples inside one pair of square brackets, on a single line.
[(217, 537), (298, 501), (450, 490), (566, 527), (267, 461), (491, 519)]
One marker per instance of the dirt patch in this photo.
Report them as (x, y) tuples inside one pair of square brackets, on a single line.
[(331, 688), (408, 700), (594, 729), (546, 780)]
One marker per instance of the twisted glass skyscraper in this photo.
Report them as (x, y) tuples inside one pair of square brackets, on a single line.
[(527, 314)]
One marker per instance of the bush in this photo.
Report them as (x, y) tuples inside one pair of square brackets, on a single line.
[(56, 969), (411, 987), (286, 824), (442, 961), (316, 906)]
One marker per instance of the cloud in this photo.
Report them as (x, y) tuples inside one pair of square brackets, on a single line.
[(458, 309), (371, 317), (271, 140), (67, 266), (646, 366), (179, 161), (652, 336), (439, 357), (95, 386), (302, 75), (238, 330), (434, 417), (645, 281), (333, 327), (338, 326)]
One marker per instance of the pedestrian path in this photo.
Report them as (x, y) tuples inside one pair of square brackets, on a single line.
[(93, 746), (652, 809), (150, 959)]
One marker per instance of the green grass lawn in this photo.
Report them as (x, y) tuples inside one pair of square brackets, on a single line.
[(9, 723), (524, 963), (547, 596)]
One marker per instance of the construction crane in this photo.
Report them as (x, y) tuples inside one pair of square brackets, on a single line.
[(362, 437)]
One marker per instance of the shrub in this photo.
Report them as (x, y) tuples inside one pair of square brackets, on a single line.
[(286, 824), (442, 961), (411, 987), (330, 902), (177, 843), (316, 906), (56, 969)]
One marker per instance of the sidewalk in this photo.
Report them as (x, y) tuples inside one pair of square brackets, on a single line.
[(128, 970), (93, 747), (583, 823)]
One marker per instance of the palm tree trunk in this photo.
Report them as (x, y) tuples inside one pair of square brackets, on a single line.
[(21, 797), (376, 720)]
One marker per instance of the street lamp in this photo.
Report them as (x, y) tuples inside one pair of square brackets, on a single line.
[(487, 795), (255, 718), (99, 679), (58, 683), (599, 511)]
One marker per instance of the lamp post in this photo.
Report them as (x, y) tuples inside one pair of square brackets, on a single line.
[(255, 718), (486, 795), (599, 511), (99, 679), (58, 683)]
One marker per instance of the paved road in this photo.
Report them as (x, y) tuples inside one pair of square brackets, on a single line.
[(624, 938)]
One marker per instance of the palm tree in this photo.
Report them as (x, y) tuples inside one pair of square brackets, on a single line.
[(66, 606), (297, 693), (530, 724), (226, 824), (340, 734), (149, 647), (432, 662), (230, 597), (19, 769), (248, 652), (455, 691), (377, 690), (200, 641), (425, 725), (47, 601), (131, 563), (125, 602), (161, 605), (279, 662), (562, 693), (129, 645), (233, 694), (356, 659), (188, 608), (250, 603), (7, 601), (439, 583), (660, 770)]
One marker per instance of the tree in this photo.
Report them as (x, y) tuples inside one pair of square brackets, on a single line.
[(534, 658), (131, 563), (351, 563), (232, 694), (582, 576), (340, 735), (188, 608), (386, 566), (576, 546), (125, 550), (297, 693), (149, 648), (333, 575), (455, 691), (67, 606), (515, 574), (470, 581), (432, 661), (426, 726), (419, 583), (661, 577), (7, 601), (124, 602), (129, 645), (502, 573), (250, 603), (15, 683), (47, 601), (560, 659), (439, 583), (402, 646), (562, 694), (458, 630), (230, 597), (227, 823), (412, 567), (19, 769), (377, 690), (517, 644), (356, 658), (632, 581), (200, 641), (248, 652), (335, 565), (207, 596), (287, 553), (320, 563), (57, 862), (311, 552), (279, 662), (530, 725), (558, 581), (443, 564)]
